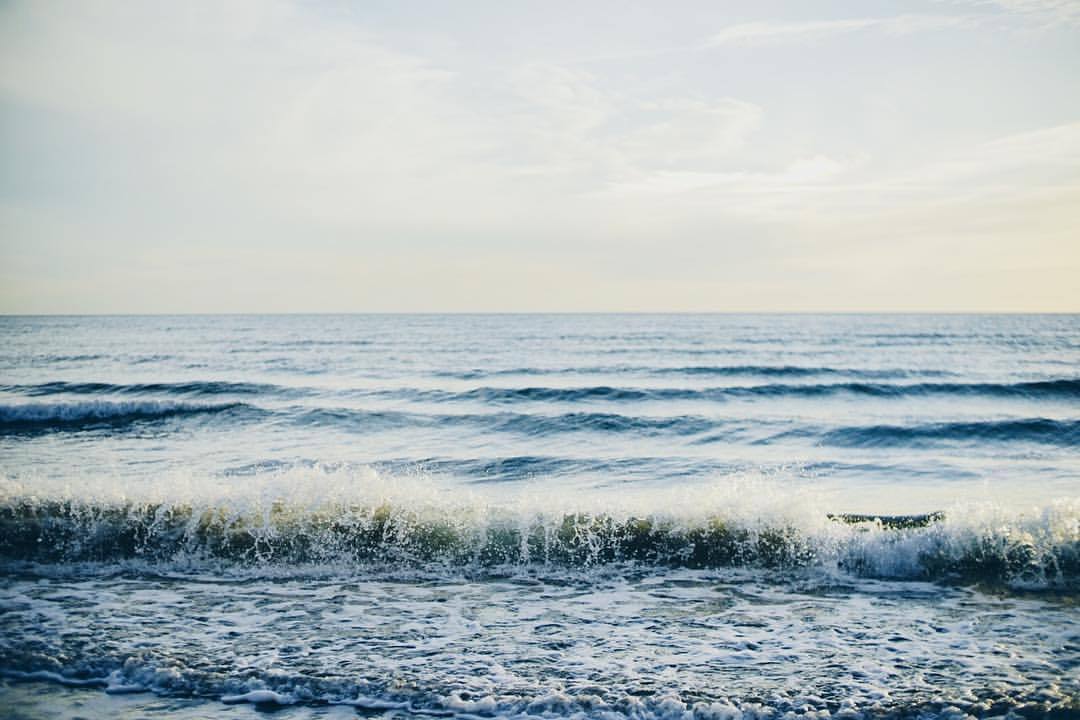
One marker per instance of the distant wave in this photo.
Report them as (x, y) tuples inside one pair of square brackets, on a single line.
[(17, 360), (192, 388), (39, 417), (51, 358), (597, 422), (707, 429), (1045, 389), (797, 371), (1036, 430), (792, 371), (528, 424), (44, 417), (263, 345), (1039, 551), (1060, 389)]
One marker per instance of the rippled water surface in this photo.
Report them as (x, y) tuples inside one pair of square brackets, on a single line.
[(604, 516)]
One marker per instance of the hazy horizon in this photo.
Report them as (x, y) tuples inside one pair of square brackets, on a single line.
[(320, 313), (320, 157)]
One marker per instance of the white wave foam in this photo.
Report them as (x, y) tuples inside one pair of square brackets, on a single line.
[(341, 516)]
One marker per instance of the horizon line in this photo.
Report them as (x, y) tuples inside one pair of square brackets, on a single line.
[(534, 312)]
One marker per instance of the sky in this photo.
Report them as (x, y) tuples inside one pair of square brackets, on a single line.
[(401, 156)]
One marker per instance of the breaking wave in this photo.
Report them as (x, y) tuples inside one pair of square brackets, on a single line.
[(280, 535)]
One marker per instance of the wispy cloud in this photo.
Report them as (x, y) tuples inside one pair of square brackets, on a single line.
[(760, 33), (1046, 14), (1021, 167)]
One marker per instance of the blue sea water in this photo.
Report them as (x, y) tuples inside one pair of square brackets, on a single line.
[(616, 516)]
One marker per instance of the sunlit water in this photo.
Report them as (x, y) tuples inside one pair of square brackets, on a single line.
[(601, 516)]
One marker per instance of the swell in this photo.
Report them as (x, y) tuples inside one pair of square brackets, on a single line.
[(1043, 551), (1032, 430), (707, 430), (45, 417), (45, 359), (533, 425), (790, 371), (1061, 389), (190, 389), (515, 468)]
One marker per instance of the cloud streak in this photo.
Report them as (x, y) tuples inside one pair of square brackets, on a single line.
[(764, 33), (1046, 14)]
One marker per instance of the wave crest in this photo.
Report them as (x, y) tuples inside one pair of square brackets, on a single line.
[(194, 388), (1035, 430), (36, 417), (1038, 551), (1061, 389)]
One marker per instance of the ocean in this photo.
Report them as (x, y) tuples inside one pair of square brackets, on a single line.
[(595, 516)]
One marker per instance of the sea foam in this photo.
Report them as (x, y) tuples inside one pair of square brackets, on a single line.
[(312, 520)]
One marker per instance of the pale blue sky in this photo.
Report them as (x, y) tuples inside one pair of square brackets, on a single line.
[(563, 156)]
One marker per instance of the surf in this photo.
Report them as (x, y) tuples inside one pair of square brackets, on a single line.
[(259, 532)]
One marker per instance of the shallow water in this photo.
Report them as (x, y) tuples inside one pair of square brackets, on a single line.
[(605, 516)]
